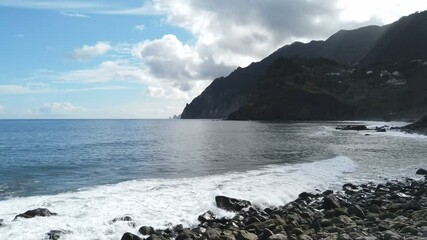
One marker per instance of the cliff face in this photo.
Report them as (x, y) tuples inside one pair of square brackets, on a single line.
[(227, 94), (320, 89), (372, 72), (403, 40), (298, 89)]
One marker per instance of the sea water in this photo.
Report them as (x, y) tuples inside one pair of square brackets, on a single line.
[(166, 172)]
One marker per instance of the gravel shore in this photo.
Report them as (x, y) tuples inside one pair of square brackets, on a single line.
[(390, 211)]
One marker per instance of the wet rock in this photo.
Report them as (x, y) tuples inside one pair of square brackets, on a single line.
[(278, 237), (266, 233), (231, 204), (199, 230), (421, 214), (340, 211), (177, 229), (130, 236), (39, 212), (306, 196), (352, 127), (330, 202), (297, 231), (1, 222), (186, 234), (269, 224), (409, 229), (384, 226), (122, 219), (380, 129), (146, 230), (228, 235), (344, 237), (245, 235), (325, 222), (327, 192), (356, 211), (156, 237), (56, 234), (413, 205), (304, 237), (390, 235), (206, 217), (374, 208), (213, 233), (421, 171)]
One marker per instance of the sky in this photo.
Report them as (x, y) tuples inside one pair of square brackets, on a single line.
[(136, 59)]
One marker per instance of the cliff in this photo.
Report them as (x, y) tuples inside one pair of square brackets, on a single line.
[(367, 73)]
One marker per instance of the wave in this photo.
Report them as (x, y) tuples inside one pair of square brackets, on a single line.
[(88, 212)]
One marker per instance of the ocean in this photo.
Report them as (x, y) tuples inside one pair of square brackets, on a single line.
[(167, 172)]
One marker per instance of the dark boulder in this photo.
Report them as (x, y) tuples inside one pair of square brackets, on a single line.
[(1, 222), (231, 204), (207, 217), (421, 171), (330, 202), (413, 205), (380, 129), (39, 212), (327, 192), (352, 127), (213, 234), (156, 237), (130, 236), (186, 234), (146, 230), (356, 211)]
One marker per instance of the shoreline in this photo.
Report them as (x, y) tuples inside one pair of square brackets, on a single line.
[(391, 210)]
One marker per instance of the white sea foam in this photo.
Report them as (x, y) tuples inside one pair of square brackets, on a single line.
[(161, 202)]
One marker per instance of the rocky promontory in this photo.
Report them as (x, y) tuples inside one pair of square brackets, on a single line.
[(390, 211), (419, 126)]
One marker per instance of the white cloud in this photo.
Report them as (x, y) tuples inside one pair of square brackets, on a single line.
[(93, 6), (176, 67), (386, 11), (239, 32), (125, 71), (140, 27), (73, 14), (2, 108), (59, 108), (87, 52), (90, 89), (107, 71), (14, 89), (168, 57)]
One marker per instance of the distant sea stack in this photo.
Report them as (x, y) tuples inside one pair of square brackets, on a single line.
[(368, 73)]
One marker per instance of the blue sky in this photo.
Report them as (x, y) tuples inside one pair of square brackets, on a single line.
[(147, 59)]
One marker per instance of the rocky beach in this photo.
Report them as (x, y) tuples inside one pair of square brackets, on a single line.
[(392, 210)]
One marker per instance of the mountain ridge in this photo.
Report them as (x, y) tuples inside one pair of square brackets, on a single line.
[(361, 49)]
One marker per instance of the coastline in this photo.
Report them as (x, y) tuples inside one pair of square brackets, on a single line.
[(128, 216), (390, 210)]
